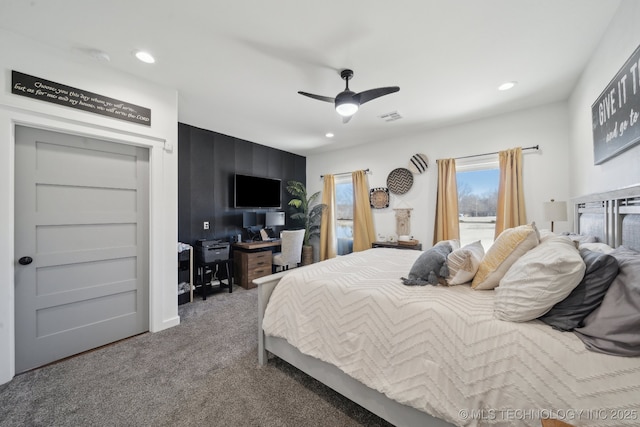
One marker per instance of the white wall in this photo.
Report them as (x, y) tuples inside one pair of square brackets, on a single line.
[(564, 168), (617, 45), (546, 174), (20, 54)]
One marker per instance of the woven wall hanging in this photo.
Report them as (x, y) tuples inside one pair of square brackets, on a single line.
[(418, 163), (399, 180), (379, 197)]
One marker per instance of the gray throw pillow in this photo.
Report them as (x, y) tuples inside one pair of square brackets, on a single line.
[(600, 271), (614, 327), (431, 267)]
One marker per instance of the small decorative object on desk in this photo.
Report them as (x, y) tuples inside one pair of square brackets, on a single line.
[(409, 242)]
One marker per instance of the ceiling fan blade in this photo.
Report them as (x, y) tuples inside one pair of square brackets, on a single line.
[(318, 97), (370, 94)]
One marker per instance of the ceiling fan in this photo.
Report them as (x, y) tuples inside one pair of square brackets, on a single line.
[(348, 102)]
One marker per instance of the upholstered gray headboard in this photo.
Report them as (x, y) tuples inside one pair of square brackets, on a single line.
[(613, 216)]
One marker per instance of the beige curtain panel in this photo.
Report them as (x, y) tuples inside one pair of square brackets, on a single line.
[(328, 241), (447, 224), (510, 210), (363, 232)]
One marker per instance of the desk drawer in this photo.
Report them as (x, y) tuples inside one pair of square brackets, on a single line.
[(259, 265), (252, 265), (259, 259), (259, 272)]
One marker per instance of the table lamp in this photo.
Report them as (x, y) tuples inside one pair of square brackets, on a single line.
[(555, 211)]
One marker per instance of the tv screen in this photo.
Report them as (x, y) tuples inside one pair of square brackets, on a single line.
[(256, 192)]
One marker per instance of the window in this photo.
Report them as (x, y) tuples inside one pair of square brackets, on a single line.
[(344, 214), (477, 201)]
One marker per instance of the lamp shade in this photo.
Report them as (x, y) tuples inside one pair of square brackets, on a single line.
[(555, 211), (346, 103), (347, 109)]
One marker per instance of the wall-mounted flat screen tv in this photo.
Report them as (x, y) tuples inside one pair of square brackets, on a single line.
[(256, 192)]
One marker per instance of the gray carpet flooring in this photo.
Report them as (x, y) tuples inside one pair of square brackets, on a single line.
[(203, 372)]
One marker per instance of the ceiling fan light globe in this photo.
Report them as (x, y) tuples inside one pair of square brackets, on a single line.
[(347, 109)]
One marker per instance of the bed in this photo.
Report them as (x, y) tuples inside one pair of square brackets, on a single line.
[(435, 356)]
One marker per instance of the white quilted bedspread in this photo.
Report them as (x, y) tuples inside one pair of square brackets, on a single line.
[(440, 350)]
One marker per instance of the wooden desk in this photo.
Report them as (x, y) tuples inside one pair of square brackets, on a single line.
[(259, 244), (252, 260)]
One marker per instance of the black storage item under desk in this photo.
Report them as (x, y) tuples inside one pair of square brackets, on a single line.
[(210, 256), (185, 276)]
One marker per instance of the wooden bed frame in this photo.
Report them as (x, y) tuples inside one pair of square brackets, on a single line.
[(613, 217)]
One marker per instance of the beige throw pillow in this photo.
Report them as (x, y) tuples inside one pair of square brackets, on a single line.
[(463, 263), (510, 245)]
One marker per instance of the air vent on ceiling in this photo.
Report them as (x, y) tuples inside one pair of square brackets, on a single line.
[(391, 117)]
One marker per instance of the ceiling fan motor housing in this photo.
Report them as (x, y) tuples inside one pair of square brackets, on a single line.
[(347, 103)]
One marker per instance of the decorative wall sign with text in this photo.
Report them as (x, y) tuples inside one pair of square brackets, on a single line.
[(616, 112), (56, 93)]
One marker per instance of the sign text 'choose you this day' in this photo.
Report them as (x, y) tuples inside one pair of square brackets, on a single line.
[(56, 93)]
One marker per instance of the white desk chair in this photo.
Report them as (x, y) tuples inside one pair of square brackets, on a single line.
[(291, 250)]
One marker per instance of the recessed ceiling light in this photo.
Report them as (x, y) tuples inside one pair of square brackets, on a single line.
[(328, 135), (145, 57), (507, 85)]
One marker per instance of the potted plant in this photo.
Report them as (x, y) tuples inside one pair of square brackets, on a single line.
[(308, 213)]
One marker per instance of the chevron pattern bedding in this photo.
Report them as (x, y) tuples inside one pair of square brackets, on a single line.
[(440, 350)]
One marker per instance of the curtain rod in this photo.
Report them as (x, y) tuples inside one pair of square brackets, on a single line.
[(344, 173), (534, 147)]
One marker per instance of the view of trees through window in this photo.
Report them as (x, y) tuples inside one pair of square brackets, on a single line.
[(477, 201), (344, 214)]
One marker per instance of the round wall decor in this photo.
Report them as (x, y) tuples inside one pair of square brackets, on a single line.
[(399, 180), (379, 197), (418, 163)]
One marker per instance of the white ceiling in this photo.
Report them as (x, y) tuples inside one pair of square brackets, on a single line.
[(237, 64)]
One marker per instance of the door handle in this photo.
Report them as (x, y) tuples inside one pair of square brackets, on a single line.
[(25, 260)]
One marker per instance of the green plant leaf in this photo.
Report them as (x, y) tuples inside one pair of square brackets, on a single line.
[(295, 203), (308, 212)]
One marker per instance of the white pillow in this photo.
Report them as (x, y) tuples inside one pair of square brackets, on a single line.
[(538, 280), (603, 248), (455, 243), (546, 234), (463, 263), (510, 245)]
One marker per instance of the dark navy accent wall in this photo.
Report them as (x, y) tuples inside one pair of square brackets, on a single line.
[(207, 162)]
